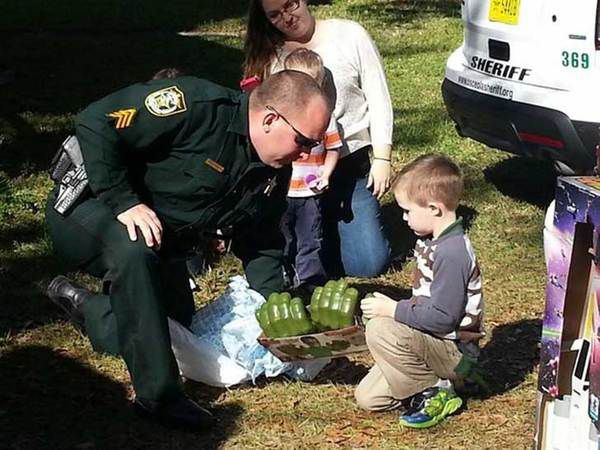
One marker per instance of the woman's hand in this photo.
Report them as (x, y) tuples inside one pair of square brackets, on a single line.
[(379, 177)]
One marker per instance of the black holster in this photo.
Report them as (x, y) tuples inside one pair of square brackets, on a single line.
[(68, 171)]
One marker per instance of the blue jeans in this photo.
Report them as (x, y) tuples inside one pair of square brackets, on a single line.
[(355, 243), (302, 227)]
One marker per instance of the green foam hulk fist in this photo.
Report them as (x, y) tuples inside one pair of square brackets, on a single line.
[(332, 306), (283, 316)]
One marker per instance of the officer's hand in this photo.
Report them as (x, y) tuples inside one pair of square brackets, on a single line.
[(146, 220), (377, 304)]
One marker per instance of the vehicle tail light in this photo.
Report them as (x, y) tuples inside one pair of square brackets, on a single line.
[(541, 140)]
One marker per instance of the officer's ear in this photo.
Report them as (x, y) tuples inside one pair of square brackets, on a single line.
[(268, 120)]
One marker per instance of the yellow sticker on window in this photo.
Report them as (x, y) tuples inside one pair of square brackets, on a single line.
[(505, 11)]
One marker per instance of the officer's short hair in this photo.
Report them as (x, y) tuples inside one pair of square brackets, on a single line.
[(290, 89), (430, 178)]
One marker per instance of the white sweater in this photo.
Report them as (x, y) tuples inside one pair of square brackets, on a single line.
[(363, 107)]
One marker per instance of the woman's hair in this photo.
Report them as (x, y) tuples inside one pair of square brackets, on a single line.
[(430, 178), (262, 41), (307, 61)]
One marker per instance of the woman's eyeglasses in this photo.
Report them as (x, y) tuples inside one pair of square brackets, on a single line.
[(300, 139), (288, 8)]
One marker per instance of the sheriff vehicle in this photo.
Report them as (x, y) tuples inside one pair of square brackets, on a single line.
[(525, 79)]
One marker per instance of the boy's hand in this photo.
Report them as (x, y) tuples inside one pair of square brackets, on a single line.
[(323, 183), (378, 305)]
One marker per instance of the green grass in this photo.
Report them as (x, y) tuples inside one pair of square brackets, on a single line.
[(57, 393)]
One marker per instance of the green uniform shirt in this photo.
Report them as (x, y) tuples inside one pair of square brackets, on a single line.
[(181, 147)]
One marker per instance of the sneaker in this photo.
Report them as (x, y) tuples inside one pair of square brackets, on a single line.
[(430, 407)]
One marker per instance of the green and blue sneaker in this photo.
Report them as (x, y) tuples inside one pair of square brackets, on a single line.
[(430, 407)]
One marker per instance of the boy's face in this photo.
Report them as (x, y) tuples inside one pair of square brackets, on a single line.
[(420, 219)]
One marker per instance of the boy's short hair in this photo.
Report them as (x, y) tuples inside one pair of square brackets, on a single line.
[(430, 178), (306, 61)]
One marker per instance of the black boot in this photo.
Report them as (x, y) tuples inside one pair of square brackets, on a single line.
[(69, 297), (181, 413)]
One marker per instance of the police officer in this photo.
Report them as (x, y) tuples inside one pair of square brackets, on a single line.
[(170, 161)]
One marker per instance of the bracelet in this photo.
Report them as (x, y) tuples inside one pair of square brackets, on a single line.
[(383, 159)]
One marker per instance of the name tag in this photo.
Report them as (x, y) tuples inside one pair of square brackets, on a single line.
[(214, 165)]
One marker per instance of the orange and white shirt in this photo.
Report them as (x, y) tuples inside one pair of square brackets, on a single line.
[(310, 168)]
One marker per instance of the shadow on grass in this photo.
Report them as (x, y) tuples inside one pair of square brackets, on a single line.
[(402, 239), (57, 75), (510, 355), (468, 215), (23, 301), (342, 371), (391, 291), (25, 270), (403, 11), (419, 126), (114, 15), (527, 179), (51, 400)]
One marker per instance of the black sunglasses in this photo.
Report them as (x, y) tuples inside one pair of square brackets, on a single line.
[(300, 139)]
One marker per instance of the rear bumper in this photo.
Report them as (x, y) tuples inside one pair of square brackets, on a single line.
[(512, 126)]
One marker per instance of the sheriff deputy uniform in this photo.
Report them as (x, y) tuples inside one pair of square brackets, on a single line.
[(181, 147)]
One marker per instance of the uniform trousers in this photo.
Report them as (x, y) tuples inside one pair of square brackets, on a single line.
[(141, 289)]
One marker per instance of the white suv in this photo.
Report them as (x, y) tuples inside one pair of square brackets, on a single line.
[(526, 79)]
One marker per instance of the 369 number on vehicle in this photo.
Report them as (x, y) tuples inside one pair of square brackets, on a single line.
[(575, 60)]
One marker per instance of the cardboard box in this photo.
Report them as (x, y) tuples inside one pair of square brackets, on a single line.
[(327, 344), (568, 407)]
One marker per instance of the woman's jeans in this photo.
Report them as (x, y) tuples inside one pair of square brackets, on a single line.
[(354, 239)]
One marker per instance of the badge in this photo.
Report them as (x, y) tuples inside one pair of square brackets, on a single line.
[(166, 102), (123, 116)]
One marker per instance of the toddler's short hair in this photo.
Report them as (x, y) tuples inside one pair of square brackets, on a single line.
[(430, 178), (307, 61)]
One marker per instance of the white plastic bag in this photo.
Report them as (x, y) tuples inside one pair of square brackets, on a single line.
[(222, 347), (201, 362)]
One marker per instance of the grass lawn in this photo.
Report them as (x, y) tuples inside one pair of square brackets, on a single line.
[(57, 393)]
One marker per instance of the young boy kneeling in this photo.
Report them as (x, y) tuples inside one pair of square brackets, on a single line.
[(417, 343)]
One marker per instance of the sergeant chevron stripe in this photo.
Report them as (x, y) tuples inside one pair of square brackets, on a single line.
[(124, 117)]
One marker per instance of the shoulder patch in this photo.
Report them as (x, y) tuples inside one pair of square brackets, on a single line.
[(166, 102), (123, 117)]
